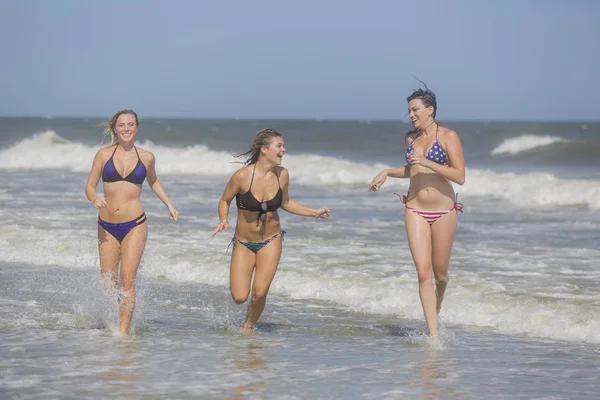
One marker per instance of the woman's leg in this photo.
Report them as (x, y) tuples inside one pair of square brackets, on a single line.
[(267, 260), (108, 251), (442, 233), (240, 272), (418, 232), (132, 249)]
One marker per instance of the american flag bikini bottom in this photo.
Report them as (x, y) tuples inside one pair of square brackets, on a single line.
[(431, 216)]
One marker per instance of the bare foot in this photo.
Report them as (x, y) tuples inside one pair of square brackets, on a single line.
[(247, 330)]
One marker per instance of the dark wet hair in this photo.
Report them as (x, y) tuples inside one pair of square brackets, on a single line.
[(262, 139), (426, 95)]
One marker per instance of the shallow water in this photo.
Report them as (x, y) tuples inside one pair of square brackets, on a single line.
[(343, 318)]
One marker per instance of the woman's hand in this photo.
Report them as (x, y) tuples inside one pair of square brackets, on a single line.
[(223, 225), (173, 212), (378, 181), (322, 213), (100, 202), (415, 158)]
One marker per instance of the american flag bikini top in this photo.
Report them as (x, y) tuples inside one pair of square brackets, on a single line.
[(436, 153)]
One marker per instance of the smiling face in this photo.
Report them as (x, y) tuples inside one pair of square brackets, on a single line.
[(275, 150), (126, 127), (419, 114)]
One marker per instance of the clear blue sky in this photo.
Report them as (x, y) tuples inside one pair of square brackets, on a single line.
[(485, 59)]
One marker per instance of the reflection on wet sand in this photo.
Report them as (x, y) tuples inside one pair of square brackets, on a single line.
[(432, 377), (122, 379), (251, 356)]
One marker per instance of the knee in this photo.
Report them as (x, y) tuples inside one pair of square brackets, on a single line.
[(108, 277), (239, 298), (424, 274), (441, 279), (127, 285), (259, 294), (127, 297)]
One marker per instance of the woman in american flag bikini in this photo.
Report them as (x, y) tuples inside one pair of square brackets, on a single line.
[(434, 159)]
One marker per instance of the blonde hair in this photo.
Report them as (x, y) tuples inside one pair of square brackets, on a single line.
[(109, 127), (262, 139)]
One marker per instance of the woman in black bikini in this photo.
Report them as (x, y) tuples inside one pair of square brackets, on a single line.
[(434, 159), (260, 189)]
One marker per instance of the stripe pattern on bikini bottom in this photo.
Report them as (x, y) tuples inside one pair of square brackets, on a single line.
[(432, 216), (429, 216)]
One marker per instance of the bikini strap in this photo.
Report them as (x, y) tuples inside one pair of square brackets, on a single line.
[(136, 152), (410, 133), (458, 206), (111, 156), (277, 175), (403, 198), (252, 179)]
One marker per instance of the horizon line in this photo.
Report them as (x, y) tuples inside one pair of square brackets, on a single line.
[(313, 119)]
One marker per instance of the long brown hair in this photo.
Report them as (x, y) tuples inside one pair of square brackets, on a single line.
[(109, 129), (262, 139)]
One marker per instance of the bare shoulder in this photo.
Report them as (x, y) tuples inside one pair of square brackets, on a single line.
[(448, 135), (146, 156), (104, 153), (410, 136), (242, 174), (284, 176), (143, 152), (281, 171)]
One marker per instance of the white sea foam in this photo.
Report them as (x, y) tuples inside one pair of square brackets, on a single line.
[(473, 301), (532, 189), (525, 143), (47, 150), (472, 298)]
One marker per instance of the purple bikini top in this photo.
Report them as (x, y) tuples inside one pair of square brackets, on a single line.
[(110, 173)]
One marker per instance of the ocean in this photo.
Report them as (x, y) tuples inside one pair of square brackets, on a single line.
[(520, 320)]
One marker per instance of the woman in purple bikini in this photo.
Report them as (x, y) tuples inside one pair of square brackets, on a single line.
[(122, 228), (260, 189), (434, 159)]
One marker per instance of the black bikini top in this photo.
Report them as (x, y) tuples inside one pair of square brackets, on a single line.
[(247, 201)]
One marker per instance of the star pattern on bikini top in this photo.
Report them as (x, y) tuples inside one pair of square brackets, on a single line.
[(437, 154)]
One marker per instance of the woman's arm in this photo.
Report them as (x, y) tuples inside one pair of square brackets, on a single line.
[(294, 207), (400, 172), (231, 190), (379, 180), (156, 186), (92, 182)]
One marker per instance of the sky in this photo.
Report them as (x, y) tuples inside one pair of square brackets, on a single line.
[(341, 59)]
